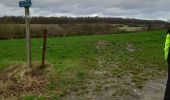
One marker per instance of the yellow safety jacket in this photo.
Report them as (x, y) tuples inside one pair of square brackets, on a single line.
[(167, 45)]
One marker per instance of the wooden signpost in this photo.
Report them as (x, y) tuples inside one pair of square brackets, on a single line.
[(27, 4)]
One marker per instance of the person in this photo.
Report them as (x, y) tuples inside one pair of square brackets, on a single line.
[(167, 58)]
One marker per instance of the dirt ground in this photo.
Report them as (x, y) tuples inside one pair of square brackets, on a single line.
[(17, 81), (153, 90), (105, 88)]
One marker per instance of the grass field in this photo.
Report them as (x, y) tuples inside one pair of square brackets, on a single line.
[(126, 60)]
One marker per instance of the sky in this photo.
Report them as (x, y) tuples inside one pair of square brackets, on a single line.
[(139, 9)]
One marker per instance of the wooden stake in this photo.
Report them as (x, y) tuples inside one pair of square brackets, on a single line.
[(44, 47)]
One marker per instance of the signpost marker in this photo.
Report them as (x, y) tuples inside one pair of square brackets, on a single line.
[(27, 4)]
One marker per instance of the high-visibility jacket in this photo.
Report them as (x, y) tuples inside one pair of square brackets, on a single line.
[(167, 46)]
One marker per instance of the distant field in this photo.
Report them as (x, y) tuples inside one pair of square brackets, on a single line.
[(132, 29), (79, 62)]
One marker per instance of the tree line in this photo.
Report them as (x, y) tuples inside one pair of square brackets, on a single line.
[(12, 27), (76, 20)]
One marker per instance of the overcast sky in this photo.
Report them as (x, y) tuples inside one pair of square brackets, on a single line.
[(142, 9)]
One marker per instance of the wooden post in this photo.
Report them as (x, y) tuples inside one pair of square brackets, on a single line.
[(28, 37), (44, 47)]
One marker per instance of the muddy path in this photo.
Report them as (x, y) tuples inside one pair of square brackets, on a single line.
[(152, 90), (112, 80)]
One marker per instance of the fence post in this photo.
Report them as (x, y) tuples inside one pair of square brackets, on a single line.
[(44, 47)]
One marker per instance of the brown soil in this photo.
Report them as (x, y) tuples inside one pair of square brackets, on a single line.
[(17, 81)]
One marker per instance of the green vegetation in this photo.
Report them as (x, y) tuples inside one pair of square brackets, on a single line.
[(129, 58)]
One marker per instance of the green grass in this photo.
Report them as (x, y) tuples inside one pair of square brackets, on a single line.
[(73, 58), (70, 50)]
